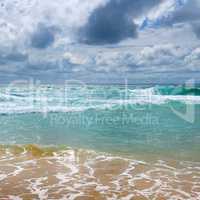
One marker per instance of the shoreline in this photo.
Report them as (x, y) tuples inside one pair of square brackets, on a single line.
[(43, 150), (49, 173)]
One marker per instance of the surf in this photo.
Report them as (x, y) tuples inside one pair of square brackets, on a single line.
[(78, 99)]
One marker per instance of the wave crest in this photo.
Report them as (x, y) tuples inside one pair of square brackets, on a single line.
[(77, 99)]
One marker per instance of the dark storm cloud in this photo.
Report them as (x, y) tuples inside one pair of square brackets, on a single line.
[(196, 28), (16, 57), (13, 57), (42, 37), (188, 13), (113, 22)]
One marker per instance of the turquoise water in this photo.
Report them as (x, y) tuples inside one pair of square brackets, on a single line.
[(126, 120)]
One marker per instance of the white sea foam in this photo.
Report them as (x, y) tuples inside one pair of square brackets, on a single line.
[(35, 187), (112, 177), (50, 100), (2, 176), (11, 197)]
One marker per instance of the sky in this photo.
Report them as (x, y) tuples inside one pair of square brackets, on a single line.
[(100, 41)]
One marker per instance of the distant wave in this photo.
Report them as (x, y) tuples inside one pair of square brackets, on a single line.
[(170, 90), (95, 98)]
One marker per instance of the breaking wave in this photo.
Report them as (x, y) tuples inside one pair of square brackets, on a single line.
[(78, 99), (172, 90)]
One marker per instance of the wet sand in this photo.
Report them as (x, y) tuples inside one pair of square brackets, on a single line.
[(29, 172)]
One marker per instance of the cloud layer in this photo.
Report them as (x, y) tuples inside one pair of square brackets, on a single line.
[(102, 39), (114, 21)]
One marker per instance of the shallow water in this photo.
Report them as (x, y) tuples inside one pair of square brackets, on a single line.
[(31, 172)]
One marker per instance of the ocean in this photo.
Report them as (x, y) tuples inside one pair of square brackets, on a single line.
[(78, 141)]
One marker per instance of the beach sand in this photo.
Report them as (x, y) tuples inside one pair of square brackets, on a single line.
[(32, 172)]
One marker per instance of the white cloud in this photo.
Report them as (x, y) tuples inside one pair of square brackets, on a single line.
[(162, 10), (192, 61), (160, 55), (19, 18), (157, 58), (76, 58)]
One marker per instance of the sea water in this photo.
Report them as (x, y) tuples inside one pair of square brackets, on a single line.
[(120, 119), (149, 127)]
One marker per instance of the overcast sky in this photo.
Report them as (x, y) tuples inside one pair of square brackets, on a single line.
[(100, 41)]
